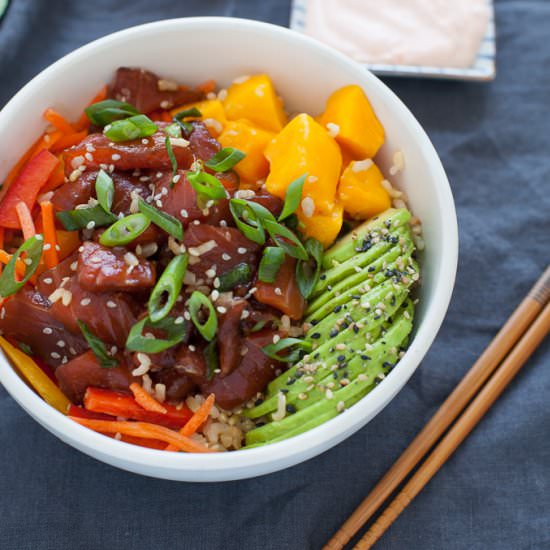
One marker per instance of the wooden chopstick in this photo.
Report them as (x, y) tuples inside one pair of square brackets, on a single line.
[(462, 427), (506, 338)]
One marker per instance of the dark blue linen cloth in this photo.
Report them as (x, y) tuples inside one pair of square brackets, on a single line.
[(494, 493)]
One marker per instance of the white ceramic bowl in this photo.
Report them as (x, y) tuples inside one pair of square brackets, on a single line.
[(305, 72)]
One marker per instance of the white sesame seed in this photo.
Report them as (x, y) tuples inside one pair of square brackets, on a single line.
[(74, 266), (110, 304), (221, 309), (47, 330), (226, 256), (333, 129), (60, 344), (90, 224), (55, 355), (329, 394), (242, 250), (178, 320), (278, 291), (48, 280), (85, 301), (340, 406)]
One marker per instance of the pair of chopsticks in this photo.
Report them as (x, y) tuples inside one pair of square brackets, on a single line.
[(503, 358)]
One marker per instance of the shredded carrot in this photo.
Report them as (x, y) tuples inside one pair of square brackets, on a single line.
[(20, 267), (145, 430), (197, 420), (148, 402), (59, 121), (68, 140), (51, 255), (25, 220), (84, 122), (207, 86)]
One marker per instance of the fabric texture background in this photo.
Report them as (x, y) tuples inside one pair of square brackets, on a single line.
[(494, 493)]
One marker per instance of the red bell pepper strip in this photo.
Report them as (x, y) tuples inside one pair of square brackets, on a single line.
[(26, 187), (121, 405)]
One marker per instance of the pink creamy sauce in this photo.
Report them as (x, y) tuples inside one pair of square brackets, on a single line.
[(434, 33)]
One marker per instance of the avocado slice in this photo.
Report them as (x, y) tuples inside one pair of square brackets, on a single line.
[(392, 265), (358, 239), (313, 379), (392, 240)]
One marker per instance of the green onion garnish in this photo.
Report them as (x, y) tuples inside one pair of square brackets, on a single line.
[(174, 330), (224, 159), (307, 271), (186, 126), (167, 289), (125, 230), (82, 218), (108, 111), (239, 275), (210, 354), (295, 346), (105, 190), (161, 219), (197, 302), (135, 127), (173, 160), (97, 346), (282, 235), (173, 130), (293, 197), (207, 186), (250, 217), (272, 260), (33, 251)]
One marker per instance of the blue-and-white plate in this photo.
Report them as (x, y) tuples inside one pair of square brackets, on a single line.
[(483, 68)]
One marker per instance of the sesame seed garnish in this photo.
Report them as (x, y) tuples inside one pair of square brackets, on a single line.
[(226, 256), (85, 301), (48, 280), (110, 304), (278, 291), (90, 224), (221, 309), (55, 355), (115, 156), (47, 330)]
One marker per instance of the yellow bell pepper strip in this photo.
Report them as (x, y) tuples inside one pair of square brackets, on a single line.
[(255, 99), (322, 226), (36, 377), (361, 191), (304, 147), (252, 141), (351, 119)]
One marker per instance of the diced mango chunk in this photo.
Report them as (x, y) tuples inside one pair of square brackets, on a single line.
[(350, 116), (252, 141), (322, 226), (361, 191), (255, 99), (304, 146), (213, 114)]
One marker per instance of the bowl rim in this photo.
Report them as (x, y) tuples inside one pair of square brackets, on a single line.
[(275, 456)]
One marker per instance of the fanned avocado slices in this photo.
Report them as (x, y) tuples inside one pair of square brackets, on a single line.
[(360, 317)]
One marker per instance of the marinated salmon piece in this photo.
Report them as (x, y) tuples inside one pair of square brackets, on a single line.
[(229, 337), (85, 371), (103, 269), (283, 294), (252, 375), (144, 153), (147, 92), (26, 318)]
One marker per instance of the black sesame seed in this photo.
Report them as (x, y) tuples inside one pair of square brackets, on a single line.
[(371, 269), (316, 335), (355, 329), (337, 309), (316, 356), (341, 358), (314, 322), (323, 277), (260, 424), (387, 365), (365, 357), (258, 402), (284, 390), (333, 332), (290, 408)]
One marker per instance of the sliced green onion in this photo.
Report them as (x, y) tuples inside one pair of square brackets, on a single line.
[(73, 220), (125, 230), (161, 219), (167, 289), (207, 186), (25, 348), (282, 235), (106, 360), (193, 112), (173, 160), (224, 159), (175, 333), (295, 346), (33, 251), (239, 275), (105, 190), (135, 127), (198, 301), (293, 197), (211, 358), (307, 271), (173, 130), (272, 260), (249, 217), (105, 112)]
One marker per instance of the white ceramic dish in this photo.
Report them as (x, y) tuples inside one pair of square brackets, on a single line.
[(483, 68), (305, 73)]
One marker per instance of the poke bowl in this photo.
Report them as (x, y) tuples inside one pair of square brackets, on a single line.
[(225, 248)]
